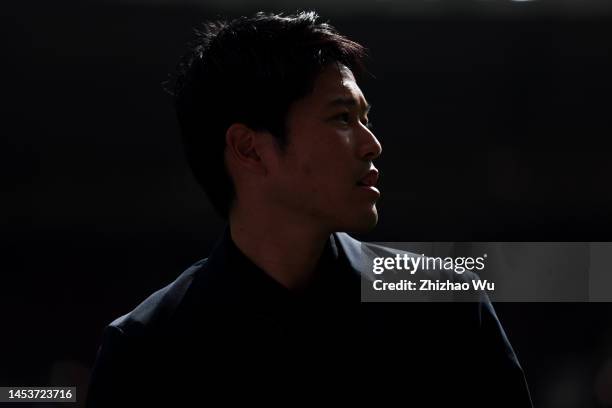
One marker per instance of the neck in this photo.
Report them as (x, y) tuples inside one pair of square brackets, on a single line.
[(287, 250)]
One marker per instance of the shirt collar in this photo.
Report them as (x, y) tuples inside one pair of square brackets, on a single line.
[(244, 281)]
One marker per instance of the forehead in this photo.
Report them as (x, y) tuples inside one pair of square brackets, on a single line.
[(336, 82)]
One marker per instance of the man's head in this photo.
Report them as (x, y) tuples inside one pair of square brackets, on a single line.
[(271, 113)]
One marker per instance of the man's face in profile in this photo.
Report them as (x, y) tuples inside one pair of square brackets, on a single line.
[(326, 174)]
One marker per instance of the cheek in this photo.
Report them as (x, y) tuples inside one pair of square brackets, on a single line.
[(309, 179), (325, 181), (306, 170), (324, 166)]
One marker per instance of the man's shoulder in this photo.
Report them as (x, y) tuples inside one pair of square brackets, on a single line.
[(362, 250), (362, 254), (161, 306)]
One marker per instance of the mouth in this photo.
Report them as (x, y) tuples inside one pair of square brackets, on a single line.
[(369, 180)]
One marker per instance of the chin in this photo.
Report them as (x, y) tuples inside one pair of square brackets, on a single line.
[(363, 222)]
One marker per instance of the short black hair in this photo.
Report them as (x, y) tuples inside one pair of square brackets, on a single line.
[(250, 70)]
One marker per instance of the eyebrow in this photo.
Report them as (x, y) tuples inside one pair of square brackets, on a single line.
[(348, 102)]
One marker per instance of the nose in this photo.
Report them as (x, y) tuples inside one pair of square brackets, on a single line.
[(369, 146)]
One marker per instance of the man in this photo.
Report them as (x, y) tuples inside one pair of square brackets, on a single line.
[(277, 132)]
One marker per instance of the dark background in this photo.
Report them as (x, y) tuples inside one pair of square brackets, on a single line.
[(494, 118)]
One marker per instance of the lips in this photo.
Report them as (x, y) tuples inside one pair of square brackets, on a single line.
[(370, 179)]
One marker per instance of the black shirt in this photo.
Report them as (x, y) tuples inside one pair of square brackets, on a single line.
[(225, 329)]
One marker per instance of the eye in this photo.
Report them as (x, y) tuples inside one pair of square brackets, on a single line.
[(344, 117)]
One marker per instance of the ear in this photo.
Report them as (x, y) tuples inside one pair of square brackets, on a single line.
[(244, 148)]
